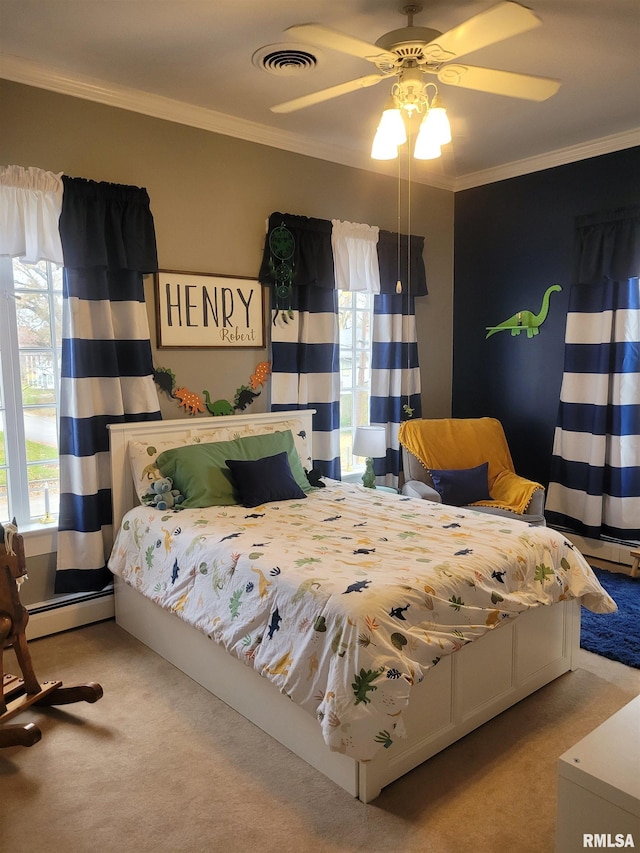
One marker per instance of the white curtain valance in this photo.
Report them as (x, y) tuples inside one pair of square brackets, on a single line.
[(355, 256), (30, 207)]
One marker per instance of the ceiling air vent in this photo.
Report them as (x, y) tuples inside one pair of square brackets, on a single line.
[(285, 59)]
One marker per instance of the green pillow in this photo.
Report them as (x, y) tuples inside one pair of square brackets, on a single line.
[(200, 472)]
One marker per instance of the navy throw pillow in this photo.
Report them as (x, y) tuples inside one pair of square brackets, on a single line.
[(462, 486), (262, 480)]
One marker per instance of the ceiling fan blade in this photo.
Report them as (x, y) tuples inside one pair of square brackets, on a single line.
[(335, 40), (499, 82), (327, 94), (495, 24)]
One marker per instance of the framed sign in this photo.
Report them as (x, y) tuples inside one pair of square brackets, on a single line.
[(201, 310)]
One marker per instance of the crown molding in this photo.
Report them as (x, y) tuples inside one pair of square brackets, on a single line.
[(559, 157), (31, 73), (35, 74)]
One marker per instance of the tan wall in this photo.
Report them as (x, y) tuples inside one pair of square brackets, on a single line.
[(210, 198)]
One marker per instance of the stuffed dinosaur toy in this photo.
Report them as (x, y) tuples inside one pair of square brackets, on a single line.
[(162, 495)]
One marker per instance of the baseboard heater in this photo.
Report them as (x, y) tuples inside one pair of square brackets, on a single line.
[(69, 611), (603, 549)]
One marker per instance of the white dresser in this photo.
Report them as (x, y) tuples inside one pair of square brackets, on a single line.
[(599, 786)]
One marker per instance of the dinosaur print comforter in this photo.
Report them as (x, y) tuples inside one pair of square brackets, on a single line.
[(346, 598)]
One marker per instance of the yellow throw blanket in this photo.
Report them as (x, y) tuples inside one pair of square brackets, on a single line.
[(458, 443)]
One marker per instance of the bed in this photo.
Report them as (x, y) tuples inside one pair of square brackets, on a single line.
[(364, 630)]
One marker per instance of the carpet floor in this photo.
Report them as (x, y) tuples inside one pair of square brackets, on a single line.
[(615, 635), (160, 765)]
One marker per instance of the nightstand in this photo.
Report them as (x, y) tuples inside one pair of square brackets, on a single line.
[(599, 783)]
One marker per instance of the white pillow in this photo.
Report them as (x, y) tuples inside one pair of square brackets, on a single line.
[(143, 454)]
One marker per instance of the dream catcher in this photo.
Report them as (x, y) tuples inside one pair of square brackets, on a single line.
[(281, 264)]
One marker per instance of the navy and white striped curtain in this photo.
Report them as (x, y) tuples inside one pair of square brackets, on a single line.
[(395, 378), (595, 479), (305, 347), (305, 360), (108, 243)]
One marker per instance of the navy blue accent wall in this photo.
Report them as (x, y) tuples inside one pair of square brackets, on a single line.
[(513, 239)]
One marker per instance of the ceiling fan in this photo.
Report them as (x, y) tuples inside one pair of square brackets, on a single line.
[(411, 53)]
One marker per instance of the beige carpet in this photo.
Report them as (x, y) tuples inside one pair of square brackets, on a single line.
[(158, 764)]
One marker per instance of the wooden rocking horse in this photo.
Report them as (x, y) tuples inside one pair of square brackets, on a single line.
[(18, 693)]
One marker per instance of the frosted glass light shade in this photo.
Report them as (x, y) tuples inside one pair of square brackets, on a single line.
[(390, 134), (425, 148), (382, 149), (437, 125), (427, 145), (392, 125)]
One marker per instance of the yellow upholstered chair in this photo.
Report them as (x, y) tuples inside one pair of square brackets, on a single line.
[(466, 462)]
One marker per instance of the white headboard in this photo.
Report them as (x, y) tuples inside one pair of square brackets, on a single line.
[(122, 486)]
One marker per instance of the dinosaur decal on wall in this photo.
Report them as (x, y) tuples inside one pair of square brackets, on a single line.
[(526, 320)]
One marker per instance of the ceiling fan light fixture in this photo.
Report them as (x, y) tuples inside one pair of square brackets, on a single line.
[(426, 149), (410, 92), (437, 122), (428, 143), (391, 124), (384, 147)]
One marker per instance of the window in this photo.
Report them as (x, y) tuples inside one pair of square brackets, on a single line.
[(30, 341), (355, 318)]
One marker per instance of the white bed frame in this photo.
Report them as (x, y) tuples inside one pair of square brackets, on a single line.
[(464, 691)]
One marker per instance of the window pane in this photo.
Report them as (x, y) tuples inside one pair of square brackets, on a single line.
[(30, 381), (31, 276), (4, 498), (347, 458), (346, 410), (355, 372), (345, 299), (345, 371), (57, 307), (43, 489), (346, 325), (362, 407), (36, 378), (3, 451), (34, 322), (363, 369), (41, 433), (363, 327)]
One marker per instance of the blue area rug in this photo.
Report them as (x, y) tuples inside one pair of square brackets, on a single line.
[(615, 635)]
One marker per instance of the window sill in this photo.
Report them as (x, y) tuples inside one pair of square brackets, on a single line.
[(353, 477), (39, 538)]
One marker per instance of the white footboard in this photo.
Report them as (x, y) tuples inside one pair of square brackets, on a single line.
[(475, 684), (463, 691)]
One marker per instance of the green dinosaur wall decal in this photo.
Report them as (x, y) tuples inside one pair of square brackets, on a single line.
[(525, 320), (218, 407)]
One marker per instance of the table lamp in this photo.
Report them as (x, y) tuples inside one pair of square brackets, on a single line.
[(370, 441)]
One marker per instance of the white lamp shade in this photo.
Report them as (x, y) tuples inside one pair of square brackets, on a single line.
[(370, 441)]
